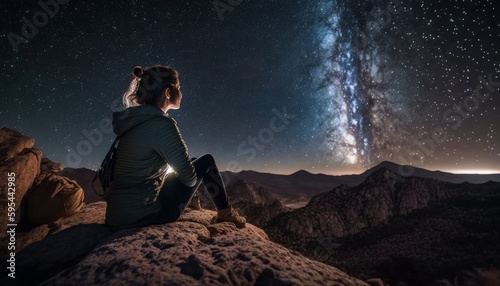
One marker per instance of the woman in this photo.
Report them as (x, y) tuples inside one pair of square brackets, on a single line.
[(142, 191)]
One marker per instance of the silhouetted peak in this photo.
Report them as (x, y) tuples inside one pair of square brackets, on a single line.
[(394, 167), (382, 171), (402, 170), (384, 176), (301, 173), (387, 164)]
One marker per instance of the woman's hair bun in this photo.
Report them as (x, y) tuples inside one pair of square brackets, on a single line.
[(138, 71)]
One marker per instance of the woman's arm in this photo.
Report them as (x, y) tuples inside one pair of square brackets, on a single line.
[(171, 147)]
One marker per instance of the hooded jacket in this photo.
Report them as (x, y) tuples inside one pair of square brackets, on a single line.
[(151, 142)]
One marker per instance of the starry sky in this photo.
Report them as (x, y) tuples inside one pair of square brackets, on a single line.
[(275, 86)]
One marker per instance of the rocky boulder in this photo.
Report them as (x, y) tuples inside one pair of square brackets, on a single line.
[(47, 165), (12, 143), (191, 251), (90, 214), (23, 168), (84, 178)]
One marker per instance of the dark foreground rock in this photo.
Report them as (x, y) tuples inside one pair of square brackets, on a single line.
[(191, 251)]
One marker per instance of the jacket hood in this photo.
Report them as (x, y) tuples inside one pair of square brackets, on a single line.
[(132, 116)]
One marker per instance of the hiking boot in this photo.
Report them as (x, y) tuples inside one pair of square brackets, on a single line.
[(229, 214), (194, 204)]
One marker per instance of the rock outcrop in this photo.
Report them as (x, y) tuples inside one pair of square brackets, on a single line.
[(50, 167), (191, 251), (24, 168), (439, 242), (84, 177), (346, 211), (12, 143), (93, 213), (21, 162)]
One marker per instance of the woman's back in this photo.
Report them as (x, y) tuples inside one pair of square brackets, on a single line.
[(141, 162)]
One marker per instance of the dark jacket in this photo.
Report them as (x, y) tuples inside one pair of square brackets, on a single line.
[(150, 144)]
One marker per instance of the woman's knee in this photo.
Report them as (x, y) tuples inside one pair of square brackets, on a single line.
[(209, 157), (205, 160)]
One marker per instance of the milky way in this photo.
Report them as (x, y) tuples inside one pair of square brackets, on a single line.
[(379, 72), (362, 117)]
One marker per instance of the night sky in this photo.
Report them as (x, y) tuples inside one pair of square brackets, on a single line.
[(274, 86)]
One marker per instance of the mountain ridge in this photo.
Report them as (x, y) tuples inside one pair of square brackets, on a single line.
[(296, 189), (408, 219)]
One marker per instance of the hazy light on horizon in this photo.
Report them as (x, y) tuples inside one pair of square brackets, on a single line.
[(473, 171), (330, 172)]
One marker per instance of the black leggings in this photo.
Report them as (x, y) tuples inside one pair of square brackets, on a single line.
[(175, 196)]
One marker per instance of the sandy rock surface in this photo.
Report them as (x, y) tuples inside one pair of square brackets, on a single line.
[(191, 251)]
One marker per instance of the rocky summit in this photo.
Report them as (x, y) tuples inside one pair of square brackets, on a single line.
[(191, 251)]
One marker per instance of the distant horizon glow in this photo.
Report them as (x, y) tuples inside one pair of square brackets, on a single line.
[(472, 171), (360, 171)]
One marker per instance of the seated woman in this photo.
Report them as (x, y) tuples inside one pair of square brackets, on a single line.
[(143, 192)]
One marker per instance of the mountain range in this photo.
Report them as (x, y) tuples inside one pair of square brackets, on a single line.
[(297, 189)]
